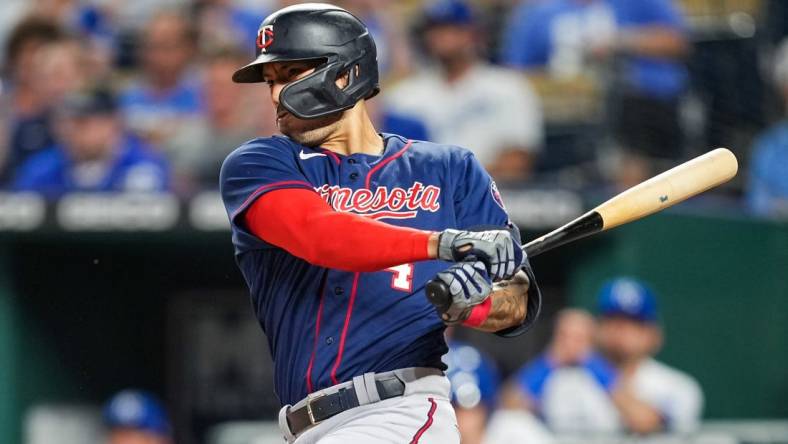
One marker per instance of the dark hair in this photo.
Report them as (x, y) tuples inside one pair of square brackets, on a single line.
[(31, 29)]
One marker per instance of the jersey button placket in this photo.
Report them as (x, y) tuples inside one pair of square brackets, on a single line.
[(352, 171)]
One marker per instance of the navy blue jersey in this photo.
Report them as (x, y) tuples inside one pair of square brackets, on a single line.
[(326, 326)]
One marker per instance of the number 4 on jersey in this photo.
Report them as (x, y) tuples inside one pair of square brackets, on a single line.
[(402, 277)]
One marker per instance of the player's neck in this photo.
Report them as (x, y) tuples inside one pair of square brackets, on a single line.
[(356, 134)]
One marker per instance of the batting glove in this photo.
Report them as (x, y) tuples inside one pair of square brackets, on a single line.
[(469, 285), (496, 248)]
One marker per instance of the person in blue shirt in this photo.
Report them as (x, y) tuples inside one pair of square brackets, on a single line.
[(646, 40), (767, 187), (568, 385), (25, 109), (94, 154), (159, 104), (356, 344)]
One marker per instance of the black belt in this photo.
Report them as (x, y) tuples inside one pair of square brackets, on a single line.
[(320, 407)]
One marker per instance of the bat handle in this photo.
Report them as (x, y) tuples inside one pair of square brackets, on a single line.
[(438, 295)]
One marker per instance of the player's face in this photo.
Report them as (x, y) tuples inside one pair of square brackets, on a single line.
[(308, 132)]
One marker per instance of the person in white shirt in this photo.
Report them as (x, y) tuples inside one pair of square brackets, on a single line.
[(649, 395), (615, 387), (464, 100), (568, 386)]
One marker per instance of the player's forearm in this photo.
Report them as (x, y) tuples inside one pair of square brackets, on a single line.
[(432, 245), (509, 304)]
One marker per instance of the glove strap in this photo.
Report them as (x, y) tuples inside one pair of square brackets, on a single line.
[(479, 314)]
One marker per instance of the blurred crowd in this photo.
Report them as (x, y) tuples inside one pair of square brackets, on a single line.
[(588, 95)]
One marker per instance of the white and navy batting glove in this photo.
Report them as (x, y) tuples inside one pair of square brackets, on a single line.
[(496, 248), (469, 285)]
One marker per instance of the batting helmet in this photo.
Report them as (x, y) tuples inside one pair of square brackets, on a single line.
[(317, 31)]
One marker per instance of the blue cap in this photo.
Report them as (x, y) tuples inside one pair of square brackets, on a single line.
[(448, 12), (629, 298), (138, 410)]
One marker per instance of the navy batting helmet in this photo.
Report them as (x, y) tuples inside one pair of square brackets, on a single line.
[(317, 31)]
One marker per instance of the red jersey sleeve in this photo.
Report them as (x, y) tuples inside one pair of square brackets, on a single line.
[(302, 223)]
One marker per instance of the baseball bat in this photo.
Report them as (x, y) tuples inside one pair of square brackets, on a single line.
[(662, 191)]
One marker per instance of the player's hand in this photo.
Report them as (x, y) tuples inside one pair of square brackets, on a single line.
[(496, 248), (469, 285)]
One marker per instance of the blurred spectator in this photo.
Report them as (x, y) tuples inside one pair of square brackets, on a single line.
[(136, 417), (767, 191), (569, 385), (468, 102), (94, 155), (232, 116), (168, 95), (649, 395), (60, 69), (44, 66), (646, 40), (134, 15), (10, 14), (474, 383), (90, 20), (224, 23), (576, 390), (385, 24)]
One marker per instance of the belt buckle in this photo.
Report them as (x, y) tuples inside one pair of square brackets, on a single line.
[(309, 399)]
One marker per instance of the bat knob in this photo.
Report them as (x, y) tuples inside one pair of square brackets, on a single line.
[(438, 295)]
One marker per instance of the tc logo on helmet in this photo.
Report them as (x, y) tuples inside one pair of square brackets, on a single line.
[(265, 37)]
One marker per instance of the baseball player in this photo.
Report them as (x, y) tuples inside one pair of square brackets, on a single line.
[(337, 228)]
